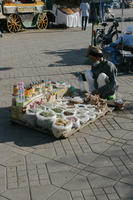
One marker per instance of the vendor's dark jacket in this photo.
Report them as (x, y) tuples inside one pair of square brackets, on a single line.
[(110, 70)]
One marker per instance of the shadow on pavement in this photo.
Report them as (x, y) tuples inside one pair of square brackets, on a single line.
[(129, 107), (67, 57), (125, 74), (18, 134), (27, 137), (5, 68)]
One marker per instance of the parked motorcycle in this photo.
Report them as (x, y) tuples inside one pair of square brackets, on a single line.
[(126, 58), (103, 37)]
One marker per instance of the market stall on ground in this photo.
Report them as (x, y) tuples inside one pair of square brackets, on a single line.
[(70, 17), (54, 107), (20, 14), (67, 12)]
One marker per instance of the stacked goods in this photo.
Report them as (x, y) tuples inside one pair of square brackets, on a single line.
[(69, 113), (75, 121), (75, 10), (130, 4), (45, 119), (61, 116), (9, 1), (96, 100), (76, 100), (30, 98), (29, 116), (61, 126), (67, 11), (23, 94), (68, 7)]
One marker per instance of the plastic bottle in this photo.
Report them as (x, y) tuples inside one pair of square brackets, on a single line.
[(81, 83), (50, 87), (19, 99), (21, 93), (43, 86), (119, 98), (15, 90)]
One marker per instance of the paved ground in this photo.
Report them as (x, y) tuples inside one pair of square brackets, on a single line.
[(94, 164)]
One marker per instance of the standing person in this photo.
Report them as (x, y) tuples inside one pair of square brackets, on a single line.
[(102, 76), (108, 14), (84, 10)]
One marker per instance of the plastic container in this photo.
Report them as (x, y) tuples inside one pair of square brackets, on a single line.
[(69, 113), (76, 100), (75, 121), (57, 109), (83, 118), (81, 112), (15, 90), (80, 106), (59, 130), (47, 120), (91, 116), (30, 117), (21, 93), (61, 85)]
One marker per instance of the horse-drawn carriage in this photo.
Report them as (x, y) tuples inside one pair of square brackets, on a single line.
[(21, 14)]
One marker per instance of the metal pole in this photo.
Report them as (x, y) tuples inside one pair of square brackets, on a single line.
[(92, 35), (92, 29), (122, 14)]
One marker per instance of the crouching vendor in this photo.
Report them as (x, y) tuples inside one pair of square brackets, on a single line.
[(102, 76)]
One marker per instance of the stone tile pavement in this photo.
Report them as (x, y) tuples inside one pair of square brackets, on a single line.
[(95, 163)]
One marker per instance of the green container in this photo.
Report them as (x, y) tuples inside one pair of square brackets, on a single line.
[(111, 97)]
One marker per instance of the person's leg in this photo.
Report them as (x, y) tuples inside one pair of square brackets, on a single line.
[(82, 22), (85, 22), (90, 80), (101, 80)]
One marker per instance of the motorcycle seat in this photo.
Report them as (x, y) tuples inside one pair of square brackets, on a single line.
[(104, 24), (127, 49)]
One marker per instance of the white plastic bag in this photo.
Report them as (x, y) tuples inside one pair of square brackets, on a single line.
[(75, 121), (83, 118), (45, 122), (29, 117), (59, 130), (91, 116), (69, 113)]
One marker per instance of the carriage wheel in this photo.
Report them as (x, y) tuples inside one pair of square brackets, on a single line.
[(14, 23), (42, 21)]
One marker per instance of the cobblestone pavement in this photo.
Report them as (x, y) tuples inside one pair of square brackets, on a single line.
[(95, 163)]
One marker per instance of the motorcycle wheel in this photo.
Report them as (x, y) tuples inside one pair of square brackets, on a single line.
[(99, 41)]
